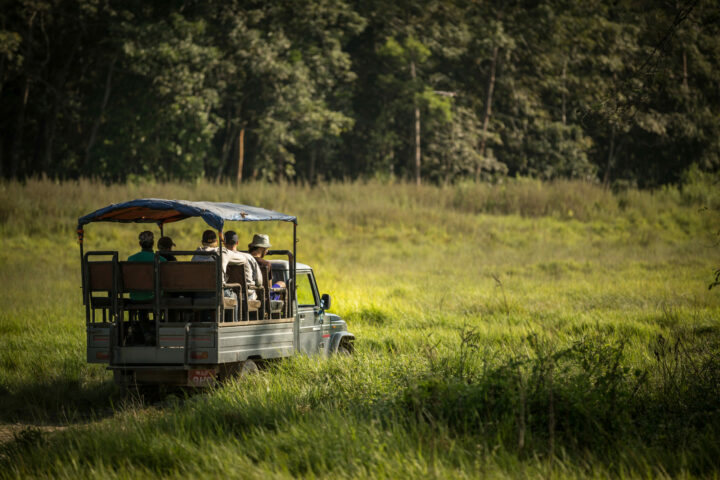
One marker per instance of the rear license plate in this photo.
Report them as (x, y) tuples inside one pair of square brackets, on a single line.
[(200, 378)]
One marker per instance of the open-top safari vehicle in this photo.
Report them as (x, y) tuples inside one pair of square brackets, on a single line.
[(196, 333)]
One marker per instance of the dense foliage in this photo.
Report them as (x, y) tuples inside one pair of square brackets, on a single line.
[(440, 90)]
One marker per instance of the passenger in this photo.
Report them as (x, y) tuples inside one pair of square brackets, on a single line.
[(209, 244), (277, 295), (258, 248), (165, 244), (147, 241), (145, 333), (231, 254)]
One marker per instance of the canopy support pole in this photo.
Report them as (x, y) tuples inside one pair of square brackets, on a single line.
[(293, 293), (162, 233), (81, 234), (220, 306), (292, 271)]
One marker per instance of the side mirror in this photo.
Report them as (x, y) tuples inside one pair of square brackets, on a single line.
[(325, 301)]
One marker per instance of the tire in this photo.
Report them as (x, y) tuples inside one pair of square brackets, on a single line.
[(248, 368), (237, 371), (343, 350)]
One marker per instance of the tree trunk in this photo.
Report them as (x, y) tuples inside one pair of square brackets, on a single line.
[(46, 159), (685, 71), (488, 111), (240, 154), (417, 146), (16, 149), (313, 159), (611, 153), (2, 74), (564, 88), (417, 130), (227, 146), (98, 120), (2, 71)]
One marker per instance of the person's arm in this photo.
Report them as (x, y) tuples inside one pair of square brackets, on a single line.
[(249, 275)]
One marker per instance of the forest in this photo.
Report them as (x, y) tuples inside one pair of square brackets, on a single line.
[(620, 93)]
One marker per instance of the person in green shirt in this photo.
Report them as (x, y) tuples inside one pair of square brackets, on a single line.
[(147, 242), (143, 332)]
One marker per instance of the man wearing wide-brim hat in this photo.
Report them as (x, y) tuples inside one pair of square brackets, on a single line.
[(258, 248)]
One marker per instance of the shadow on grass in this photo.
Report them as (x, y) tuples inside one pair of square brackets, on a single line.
[(66, 401), (58, 401)]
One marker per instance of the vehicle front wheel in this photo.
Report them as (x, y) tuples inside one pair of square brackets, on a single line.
[(343, 350)]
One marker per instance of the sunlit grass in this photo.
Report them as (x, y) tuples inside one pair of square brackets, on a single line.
[(410, 269)]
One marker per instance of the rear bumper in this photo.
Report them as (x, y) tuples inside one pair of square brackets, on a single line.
[(171, 375)]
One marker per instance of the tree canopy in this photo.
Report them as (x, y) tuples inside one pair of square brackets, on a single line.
[(438, 91)]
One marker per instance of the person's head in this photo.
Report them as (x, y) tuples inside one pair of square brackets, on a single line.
[(209, 239), (165, 244), (259, 245), (231, 240), (147, 240)]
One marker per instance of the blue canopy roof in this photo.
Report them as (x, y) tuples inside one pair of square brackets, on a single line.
[(160, 211)]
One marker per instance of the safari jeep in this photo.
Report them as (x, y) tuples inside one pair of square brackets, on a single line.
[(186, 330)]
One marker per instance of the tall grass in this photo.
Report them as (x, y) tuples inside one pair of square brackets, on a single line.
[(517, 330)]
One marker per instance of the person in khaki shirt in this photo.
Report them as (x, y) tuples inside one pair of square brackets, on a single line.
[(231, 255)]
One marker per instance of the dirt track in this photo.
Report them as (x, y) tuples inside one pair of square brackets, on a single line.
[(9, 431)]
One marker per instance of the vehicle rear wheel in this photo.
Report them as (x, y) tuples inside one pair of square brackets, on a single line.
[(237, 370), (248, 367), (343, 350)]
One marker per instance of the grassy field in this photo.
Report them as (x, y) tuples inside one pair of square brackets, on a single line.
[(513, 330)]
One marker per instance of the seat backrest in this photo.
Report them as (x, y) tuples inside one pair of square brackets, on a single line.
[(137, 276), (100, 276), (236, 273), (188, 276)]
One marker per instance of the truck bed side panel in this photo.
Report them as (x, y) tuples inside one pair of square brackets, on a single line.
[(266, 340)]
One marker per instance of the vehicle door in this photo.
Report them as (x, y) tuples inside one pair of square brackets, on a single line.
[(310, 314)]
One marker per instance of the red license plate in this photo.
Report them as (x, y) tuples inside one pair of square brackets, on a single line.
[(200, 378)]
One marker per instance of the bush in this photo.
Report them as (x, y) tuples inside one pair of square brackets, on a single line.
[(583, 397)]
